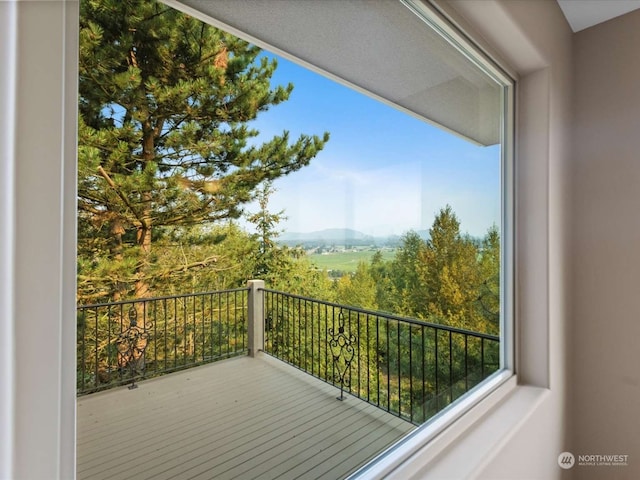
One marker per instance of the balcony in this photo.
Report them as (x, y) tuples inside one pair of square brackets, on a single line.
[(264, 400), (238, 418)]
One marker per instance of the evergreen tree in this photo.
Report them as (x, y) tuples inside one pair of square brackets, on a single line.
[(270, 257), (205, 258), (453, 277), (489, 289), (358, 289), (380, 272), (165, 140), (408, 283)]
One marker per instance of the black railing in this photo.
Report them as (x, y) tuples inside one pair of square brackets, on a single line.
[(122, 341), (410, 368), (407, 367)]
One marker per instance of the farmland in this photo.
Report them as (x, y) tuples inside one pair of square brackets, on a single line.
[(346, 261)]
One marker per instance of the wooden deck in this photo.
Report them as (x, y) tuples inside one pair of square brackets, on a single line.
[(243, 418)]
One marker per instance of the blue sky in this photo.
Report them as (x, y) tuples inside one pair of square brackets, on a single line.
[(382, 172)]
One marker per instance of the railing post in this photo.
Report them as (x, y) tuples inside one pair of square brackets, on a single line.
[(256, 316)]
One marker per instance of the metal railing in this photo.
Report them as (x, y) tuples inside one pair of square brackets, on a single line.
[(123, 341), (407, 367), (410, 368)]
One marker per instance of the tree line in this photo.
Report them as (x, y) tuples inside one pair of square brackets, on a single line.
[(412, 369)]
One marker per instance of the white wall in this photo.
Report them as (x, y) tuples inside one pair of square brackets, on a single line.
[(605, 220), (38, 101)]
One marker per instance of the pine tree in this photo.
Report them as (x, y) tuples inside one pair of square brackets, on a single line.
[(165, 138), (380, 272), (271, 259)]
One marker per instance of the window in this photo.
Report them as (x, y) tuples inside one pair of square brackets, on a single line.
[(405, 55), (426, 74), (28, 396)]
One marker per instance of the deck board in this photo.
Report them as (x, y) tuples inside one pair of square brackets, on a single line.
[(241, 418)]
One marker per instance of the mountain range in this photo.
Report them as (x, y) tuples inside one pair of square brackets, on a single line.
[(341, 236)]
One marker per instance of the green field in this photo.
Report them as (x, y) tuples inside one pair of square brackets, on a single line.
[(346, 261)]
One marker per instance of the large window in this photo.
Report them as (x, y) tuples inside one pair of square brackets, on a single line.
[(378, 202)]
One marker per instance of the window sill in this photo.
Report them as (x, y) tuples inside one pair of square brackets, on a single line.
[(462, 440)]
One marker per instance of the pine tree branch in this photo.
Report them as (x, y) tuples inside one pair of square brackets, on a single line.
[(157, 14), (122, 197), (90, 279), (89, 209), (189, 266)]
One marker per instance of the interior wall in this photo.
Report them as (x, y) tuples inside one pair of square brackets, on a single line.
[(605, 222)]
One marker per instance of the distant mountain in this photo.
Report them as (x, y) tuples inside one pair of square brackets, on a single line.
[(327, 235), (342, 236)]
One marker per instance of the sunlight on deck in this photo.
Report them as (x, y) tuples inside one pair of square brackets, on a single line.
[(243, 418)]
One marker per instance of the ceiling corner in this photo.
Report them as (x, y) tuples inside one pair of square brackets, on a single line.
[(583, 14)]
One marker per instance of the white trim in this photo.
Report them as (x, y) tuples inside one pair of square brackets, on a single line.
[(461, 42), (452, 421), (8, 54), (508, 270), (68, 288), (42, 282), (467, 447)]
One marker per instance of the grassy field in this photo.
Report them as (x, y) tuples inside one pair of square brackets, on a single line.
[(346, 261)]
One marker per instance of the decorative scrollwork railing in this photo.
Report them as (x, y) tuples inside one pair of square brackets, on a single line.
[(342, 348), (407, 367), (170, 333), (131, 345)]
